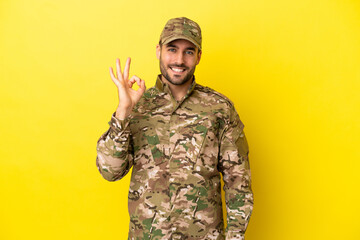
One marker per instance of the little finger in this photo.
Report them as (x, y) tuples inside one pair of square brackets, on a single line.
[(113, 78)]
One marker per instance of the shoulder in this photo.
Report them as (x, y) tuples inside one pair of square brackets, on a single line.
[(227, 112), (213, 95)]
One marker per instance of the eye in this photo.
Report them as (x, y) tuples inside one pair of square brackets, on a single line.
[(190, 52), (171, 49)]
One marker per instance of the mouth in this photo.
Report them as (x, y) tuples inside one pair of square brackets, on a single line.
[(177, 69)]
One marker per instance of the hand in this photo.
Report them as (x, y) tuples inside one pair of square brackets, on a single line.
[(128, 97)]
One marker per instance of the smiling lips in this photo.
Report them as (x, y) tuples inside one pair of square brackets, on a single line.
[(178, 70)]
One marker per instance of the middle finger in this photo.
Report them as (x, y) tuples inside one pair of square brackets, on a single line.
[(127, 67)]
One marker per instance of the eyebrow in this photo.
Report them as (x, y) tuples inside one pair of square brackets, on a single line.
[(173, 46)]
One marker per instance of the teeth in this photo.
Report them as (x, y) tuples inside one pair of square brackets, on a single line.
[(178, 69)]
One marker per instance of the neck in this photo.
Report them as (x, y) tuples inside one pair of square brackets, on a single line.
[(178, 91)]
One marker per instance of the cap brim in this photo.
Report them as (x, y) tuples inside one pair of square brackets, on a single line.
[(176, 37)]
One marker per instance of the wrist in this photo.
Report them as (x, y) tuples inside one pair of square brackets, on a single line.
[(121, 114)]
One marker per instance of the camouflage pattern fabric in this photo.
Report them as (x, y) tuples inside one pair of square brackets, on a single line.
[(177, 151), (181, 28)]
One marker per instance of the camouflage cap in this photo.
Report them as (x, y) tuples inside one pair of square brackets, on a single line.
[(181, 28)]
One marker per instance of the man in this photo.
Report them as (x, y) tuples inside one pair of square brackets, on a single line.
[(178, 136)]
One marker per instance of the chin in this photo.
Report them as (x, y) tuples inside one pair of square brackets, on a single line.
[(177, 81)]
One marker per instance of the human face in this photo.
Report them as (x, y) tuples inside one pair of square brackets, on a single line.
[(178, 60)]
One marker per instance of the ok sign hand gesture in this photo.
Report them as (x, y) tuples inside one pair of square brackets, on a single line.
[(128, 97)]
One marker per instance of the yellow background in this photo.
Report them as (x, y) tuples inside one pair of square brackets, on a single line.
[(292, 68)]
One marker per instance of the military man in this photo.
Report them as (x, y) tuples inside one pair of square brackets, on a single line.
[(178, 137)]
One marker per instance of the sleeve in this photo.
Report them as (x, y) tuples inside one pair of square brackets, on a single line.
[(234, 166), (115, 150)]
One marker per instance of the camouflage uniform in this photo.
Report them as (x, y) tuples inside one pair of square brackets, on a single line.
[(177, 151)]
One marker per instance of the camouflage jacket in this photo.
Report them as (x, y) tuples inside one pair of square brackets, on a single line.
[(177, 151)]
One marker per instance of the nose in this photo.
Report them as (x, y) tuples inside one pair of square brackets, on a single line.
[(179, 58)]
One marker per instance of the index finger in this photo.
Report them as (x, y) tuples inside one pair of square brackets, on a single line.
[(127, 68)]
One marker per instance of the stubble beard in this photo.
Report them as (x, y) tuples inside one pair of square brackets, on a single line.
[(166, 75)]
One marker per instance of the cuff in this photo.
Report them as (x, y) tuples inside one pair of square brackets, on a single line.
[(119, 125)]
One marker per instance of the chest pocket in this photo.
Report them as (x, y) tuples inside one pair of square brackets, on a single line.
[(149, 136), (188, 141)]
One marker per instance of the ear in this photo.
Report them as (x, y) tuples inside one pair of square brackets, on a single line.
[(198, 57), (158, 50)]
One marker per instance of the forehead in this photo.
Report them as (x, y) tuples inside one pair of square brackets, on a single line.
[(181, 43)]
